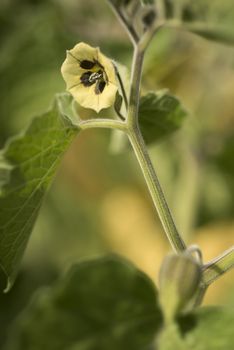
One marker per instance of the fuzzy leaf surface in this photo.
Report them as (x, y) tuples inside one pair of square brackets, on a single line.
[(160, 114), (28, 164)]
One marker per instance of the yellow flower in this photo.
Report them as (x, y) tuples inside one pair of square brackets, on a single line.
[(90, 77)]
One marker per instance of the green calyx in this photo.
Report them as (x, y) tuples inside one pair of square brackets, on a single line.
[(179, 278)]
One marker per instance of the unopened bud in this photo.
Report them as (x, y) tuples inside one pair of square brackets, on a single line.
[(179, 279)]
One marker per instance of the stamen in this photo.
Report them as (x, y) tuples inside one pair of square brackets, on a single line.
[(94, 77)]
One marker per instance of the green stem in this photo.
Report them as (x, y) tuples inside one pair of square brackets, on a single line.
[(132, 129), (137, 66), (212, 271), (149, 34), (140, 149), (103, 123), (217, 267), (199, 295), (161, 9), (125, 23), (155, 189)]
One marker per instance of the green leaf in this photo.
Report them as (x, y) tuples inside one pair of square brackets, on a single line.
[(28, 165), (208, 328), (103, 304), (160, 114)]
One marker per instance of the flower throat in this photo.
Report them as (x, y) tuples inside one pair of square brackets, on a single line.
[(89, 77)]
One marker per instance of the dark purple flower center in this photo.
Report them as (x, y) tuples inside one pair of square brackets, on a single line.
[(89, 78)]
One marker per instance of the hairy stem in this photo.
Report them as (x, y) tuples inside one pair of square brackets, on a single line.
[(103, 123), (155, 189), (140, 149), (217, 267), (127, 26), (134, 133), (212, 271), (134, 97)]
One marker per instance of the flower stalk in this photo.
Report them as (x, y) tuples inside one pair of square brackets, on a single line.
[(218, 266), (103, 124)]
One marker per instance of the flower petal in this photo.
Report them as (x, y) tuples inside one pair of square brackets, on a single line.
[(83, 51), (109, 67), (77, 62), (87, 97)]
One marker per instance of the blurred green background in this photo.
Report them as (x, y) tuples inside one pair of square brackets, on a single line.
[(99, 202)]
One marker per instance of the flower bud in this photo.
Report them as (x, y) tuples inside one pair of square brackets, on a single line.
[(179, 279)]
